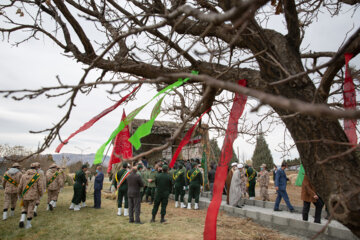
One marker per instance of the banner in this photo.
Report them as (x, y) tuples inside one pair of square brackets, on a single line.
[(349, 101), (300, 176), (122, 146), (145, 129), (95, 119), (204, 166), (221, 170), (100, 152), (185, 140)]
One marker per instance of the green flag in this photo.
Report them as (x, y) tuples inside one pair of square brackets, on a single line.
[(300, 176), (145, 129), (100, 152), (204, 166)]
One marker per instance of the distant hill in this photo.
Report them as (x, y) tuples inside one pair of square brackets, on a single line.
[(73, 158)]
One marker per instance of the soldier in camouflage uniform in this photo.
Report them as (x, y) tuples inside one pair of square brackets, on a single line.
[(10, 183), (150, 178), (53, 182), (43, 184), (263, 179), (30, 190)]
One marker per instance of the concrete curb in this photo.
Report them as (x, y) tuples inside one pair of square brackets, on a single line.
[(289, 225)]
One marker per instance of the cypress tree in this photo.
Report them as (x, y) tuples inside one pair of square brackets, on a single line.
[(262, 154)]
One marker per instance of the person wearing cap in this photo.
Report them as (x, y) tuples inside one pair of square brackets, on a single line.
[(179, 185), (280, 186), (120, 183), (228, 180), (53, 183), (235, 188), (42, 180), (10, 183), (134, 183), (80, 183), (30, 190), (195, 180), (263, 179), (163, 187), (251, 174), (150, 178)]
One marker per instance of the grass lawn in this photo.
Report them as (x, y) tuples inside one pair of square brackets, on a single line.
[(90, 223)]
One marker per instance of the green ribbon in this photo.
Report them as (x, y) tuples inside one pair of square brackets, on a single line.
[(300, 177), (100, 152)]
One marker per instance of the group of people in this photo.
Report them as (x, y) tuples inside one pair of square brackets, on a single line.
[(132, 183), (29, 186)]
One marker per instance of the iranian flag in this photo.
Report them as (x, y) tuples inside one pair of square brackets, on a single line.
[(122, 147)]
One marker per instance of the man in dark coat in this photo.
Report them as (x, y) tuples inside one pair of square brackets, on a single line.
[(98, 185), (79, 185), (134, 182), (163, 187), (280, 186)]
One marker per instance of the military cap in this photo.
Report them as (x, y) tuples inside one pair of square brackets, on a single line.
[(84, 166), (139, 166), (165, 167), (16, 165), (125, 165), (193, 164), (33, 165), (53, 165)]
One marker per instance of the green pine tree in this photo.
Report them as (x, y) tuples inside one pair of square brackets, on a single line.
[(262, 154)]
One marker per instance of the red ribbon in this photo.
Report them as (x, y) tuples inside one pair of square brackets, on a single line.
[(122, 147), (88, 124), (221, 170), (349, 101), (184, 141)]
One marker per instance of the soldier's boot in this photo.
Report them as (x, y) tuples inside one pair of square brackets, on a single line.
[(153, 218), (162, 219), (119, 212), (72, 205), (176, 204), (189, 206), (35, 210), (22, 219), (28, 223), (183, 205), (50, 206), (83, 204), (5, 214), (54, 204), (77, 208), (126, 212), (196, 207), (12, 212)]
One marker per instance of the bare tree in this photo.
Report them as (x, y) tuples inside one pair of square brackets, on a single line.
[(155, 42)]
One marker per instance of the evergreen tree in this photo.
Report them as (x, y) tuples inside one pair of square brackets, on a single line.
[(262, 154)]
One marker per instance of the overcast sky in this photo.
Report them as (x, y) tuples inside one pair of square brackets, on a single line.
[(36, 63)]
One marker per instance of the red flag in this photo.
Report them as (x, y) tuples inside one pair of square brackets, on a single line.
[(91, 122), (349, 101), (122, 146), (221, 170), (184, 141)]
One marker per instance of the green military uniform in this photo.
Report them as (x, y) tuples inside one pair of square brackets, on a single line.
[(195, 179), (122, 190), (251, 175), (80, 184), (151, 186), (179, 184), (171, 173), (163, 187)]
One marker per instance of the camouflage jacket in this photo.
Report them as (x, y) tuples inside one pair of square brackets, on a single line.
[(263, 178), (35, 191), (15, 174), (56, 183)]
